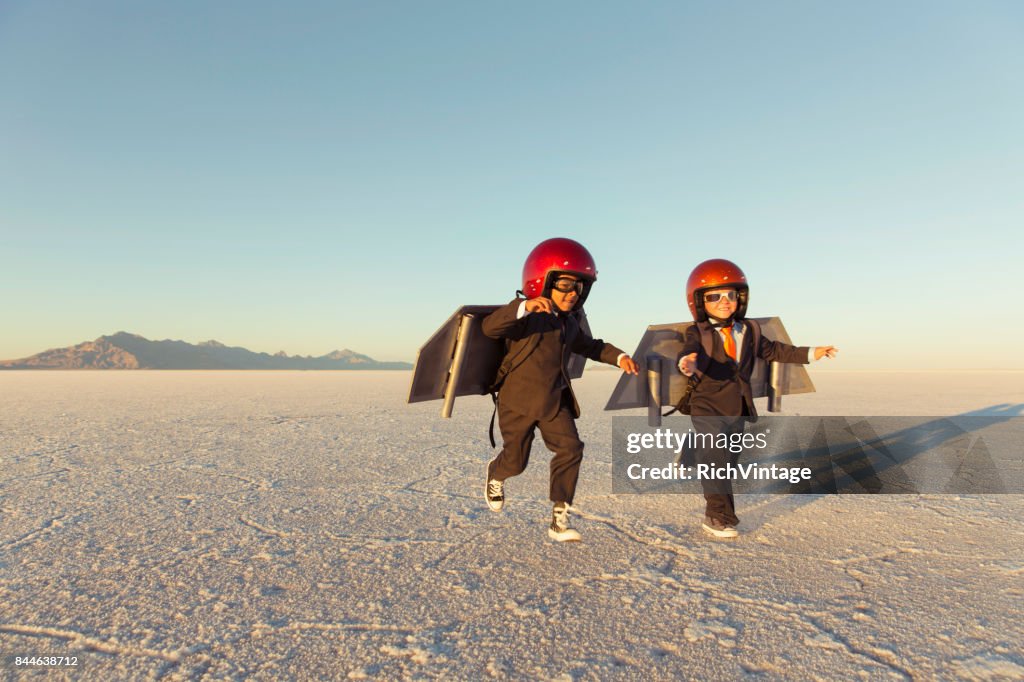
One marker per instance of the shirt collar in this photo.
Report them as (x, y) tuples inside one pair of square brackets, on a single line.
[(737, 325)]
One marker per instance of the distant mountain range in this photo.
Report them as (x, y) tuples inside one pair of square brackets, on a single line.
[(131, 351)]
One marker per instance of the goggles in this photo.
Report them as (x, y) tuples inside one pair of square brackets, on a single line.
[(567, 284), (730, 295)]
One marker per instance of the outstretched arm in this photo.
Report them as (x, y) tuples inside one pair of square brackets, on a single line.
[(776, 351), (596, 349), (825, 352)]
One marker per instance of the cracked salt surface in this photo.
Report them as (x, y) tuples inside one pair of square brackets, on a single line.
[(237, 525)]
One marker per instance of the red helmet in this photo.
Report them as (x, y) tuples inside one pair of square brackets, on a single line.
[(716, 274), (553, 257)]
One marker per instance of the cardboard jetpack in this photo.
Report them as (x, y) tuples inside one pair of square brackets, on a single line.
[(659, 382), (459, 360)]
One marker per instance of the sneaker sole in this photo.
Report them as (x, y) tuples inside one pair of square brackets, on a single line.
[(568, 536), (719, 533)]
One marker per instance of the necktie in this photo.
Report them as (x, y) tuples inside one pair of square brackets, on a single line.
[(730, 344)]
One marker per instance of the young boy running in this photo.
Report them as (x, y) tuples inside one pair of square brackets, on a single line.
[(541, 333), (721, 402)]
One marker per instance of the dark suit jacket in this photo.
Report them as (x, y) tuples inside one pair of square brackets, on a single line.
[(724, 389), (540, 345)]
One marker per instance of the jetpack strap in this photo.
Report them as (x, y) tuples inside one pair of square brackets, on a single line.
[(756, 338), (490, 430), (683, 406), (707, 344)]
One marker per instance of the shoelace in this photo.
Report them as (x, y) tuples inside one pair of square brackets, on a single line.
[(495, 488), (562, 517)]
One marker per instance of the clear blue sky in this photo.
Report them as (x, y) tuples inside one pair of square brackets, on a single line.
[(312, 176)]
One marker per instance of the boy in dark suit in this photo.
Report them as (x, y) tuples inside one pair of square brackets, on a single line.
[(541, 333), (722, 401)]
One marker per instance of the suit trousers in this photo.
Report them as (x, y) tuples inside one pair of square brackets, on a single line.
[(559, 434), (719, 502)]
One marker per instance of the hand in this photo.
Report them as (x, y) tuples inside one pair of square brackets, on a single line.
[(540, 304), (688, 365), (825, 352), (627, 365)]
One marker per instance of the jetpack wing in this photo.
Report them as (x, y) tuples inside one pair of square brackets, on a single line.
[(660, 382), (458, 359)]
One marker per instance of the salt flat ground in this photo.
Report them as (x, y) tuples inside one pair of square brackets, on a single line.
[(309, 525)]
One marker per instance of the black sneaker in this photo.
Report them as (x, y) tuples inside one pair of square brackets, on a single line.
[(560, 531), (718, 528), (494, 493)]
